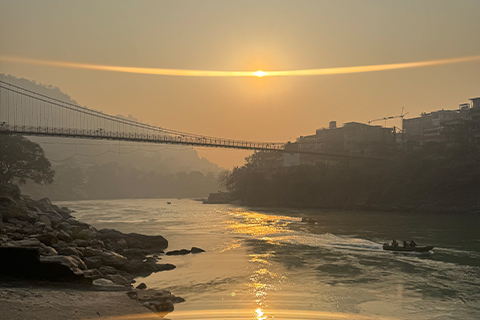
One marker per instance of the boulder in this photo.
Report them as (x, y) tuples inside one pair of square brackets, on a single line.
[(30, 231), (85, 234), (60, 245), (138, 268), (26, 243), (93, 262), (90, 252), (81, 242), (107, 284), (64, 236), (114, 260), (107, 270), (135, 240), (142, 286), (75, 222), (65, 226), (126, 275), (68, 261), (49, 251), (118, 279), (26, 263), (7, 201), (93, 274), (15, 236), (44, 204), (153, 295), (32, 217), (196, 250), (81, 264), (47, 239), (45, 219), (122, 243), (178, 252), (70, 252), (39, 225), (135, 253), (98, 243), (163, 267)]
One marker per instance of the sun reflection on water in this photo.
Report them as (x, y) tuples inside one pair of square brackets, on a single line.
[(256, 224)]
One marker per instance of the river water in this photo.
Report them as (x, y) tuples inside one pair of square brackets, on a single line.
[(266, 264)]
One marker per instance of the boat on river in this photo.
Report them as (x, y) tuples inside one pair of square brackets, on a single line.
[(388, 247), (309, 220)]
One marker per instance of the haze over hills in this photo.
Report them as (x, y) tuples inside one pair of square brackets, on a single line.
[(77, 160)]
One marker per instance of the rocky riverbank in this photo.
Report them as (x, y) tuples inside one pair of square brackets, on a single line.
[(41, 241)]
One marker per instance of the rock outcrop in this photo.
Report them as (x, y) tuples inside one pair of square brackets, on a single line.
[(41, 240)]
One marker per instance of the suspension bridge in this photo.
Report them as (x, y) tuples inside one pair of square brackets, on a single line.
[(30, 113)]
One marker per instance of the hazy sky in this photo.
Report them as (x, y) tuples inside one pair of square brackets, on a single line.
[(248, 36)]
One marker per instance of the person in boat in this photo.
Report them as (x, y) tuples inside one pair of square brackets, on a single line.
[(405, 244), (412, 244), (394, 243)]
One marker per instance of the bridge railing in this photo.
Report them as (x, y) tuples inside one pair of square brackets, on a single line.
[(115, 135)]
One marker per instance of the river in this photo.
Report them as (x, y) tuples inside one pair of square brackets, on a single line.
[(267, 264)]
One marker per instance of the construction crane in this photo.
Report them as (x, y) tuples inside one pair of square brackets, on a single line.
[(402, 115)]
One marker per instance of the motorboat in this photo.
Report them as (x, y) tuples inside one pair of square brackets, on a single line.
[(309, 220), (388, 247)]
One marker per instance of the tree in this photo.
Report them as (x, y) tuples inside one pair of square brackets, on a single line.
[(22, 159)]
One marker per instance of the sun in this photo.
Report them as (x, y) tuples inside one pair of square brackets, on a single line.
[(260, 73)]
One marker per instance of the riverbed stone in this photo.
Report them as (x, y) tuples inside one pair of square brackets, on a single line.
[(107, 270), (47, 239), (108, 284), (135, 253), (142, 286), (93, 262), (70, 252), (85, 234), (26, 243), (118, 279), (81, 264), (114, 259), (49, 251), (98, 244), (64, 236), (195, 250), (60, 245), (93, 274), (91, 252), (178, 252), (68, 261), (32, 217), (80, 242)]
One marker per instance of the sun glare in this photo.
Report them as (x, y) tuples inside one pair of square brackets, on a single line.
[(260, 73)]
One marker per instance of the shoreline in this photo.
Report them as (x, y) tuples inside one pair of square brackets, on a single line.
[(36, 300), (431, 209), (44, 249)]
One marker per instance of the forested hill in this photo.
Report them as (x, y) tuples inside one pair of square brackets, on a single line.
[(438, 178), (87, 169)]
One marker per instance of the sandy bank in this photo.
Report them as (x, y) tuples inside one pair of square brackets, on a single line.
[(44, 301)]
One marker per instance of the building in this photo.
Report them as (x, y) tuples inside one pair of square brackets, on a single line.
[(428, 127), (443, 126), (357, 138), (466, 129)]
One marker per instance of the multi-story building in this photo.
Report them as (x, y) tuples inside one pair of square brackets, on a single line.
[(466, 129), (442, 125), (357, 138)]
